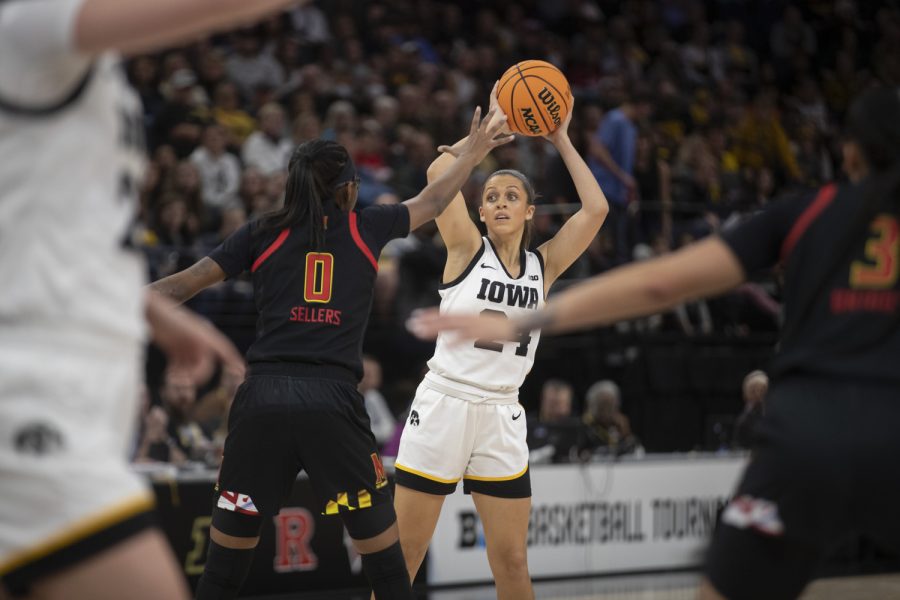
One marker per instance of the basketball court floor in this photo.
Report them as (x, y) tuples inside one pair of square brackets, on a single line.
[(667, 586), (680, 586)]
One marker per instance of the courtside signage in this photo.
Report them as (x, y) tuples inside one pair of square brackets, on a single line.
[(598, 518)]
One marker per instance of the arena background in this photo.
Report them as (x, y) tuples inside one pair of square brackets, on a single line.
[(745, 103)]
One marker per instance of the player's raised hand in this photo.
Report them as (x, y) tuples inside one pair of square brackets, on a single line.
[(426, 324), (504, 129), (484, 136), (561, 133)]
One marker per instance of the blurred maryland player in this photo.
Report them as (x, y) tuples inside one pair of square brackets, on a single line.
[(75, 521)]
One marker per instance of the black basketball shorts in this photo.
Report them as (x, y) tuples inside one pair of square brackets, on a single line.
[(281, 424), (825, 462)]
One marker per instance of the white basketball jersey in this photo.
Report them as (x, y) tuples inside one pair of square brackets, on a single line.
[(69, 177), (486, 287)]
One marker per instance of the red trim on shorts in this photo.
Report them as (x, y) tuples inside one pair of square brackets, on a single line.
[(354, 232), (271, 249), (812, 212)]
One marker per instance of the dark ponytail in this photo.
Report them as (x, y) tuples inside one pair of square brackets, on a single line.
[(313, 169), (531, 199), (873, 122)]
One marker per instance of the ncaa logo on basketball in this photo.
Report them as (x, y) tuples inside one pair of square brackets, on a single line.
[(530, 122)]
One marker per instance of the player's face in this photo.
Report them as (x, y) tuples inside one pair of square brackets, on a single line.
[(504, 205)]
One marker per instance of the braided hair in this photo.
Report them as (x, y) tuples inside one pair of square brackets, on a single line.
[(313, 172)]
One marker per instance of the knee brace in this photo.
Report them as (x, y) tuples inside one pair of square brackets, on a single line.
[(224, 573)]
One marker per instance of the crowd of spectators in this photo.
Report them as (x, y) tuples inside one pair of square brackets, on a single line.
[(691, 113)]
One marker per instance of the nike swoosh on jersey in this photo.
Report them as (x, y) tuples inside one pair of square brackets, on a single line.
[(484, 266)]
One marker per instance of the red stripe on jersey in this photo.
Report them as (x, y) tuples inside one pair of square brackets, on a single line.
[(271, 249), (354, 231), (812, 212)]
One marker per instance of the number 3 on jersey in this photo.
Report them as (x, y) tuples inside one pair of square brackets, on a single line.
[(882, 249), (524, 339), (319, 277)]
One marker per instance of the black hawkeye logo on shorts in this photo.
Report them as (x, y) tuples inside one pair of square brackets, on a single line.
[(516, 416), (414, 419), (38, 438)]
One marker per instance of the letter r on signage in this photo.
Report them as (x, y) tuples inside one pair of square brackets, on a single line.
[(294, 529)]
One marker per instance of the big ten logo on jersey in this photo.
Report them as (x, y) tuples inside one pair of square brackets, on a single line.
[(294, 528), (195, 559), (508, 293)]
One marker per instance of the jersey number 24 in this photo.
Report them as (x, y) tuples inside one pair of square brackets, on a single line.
[(524, 339)]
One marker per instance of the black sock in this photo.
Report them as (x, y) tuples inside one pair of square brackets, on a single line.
[(386, 571), (224, 573)]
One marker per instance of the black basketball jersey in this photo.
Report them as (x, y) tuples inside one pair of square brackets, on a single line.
[(313, 305), (851, 329)]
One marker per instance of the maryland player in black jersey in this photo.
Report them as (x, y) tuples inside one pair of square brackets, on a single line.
[(827, 453), (313, 266)]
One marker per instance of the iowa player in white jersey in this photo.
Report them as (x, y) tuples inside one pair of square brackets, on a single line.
[(75, 522), (466, 422)]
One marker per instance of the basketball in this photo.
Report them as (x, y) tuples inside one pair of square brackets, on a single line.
[(535, 96)]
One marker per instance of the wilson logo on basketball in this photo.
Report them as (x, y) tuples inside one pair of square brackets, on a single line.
[(551, 104)]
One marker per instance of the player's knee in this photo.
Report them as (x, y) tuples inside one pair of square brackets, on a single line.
[(231, 525), (413, 549), (510, 563)]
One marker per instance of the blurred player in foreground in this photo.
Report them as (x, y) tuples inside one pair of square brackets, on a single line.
[(827, 451), (75, 522)]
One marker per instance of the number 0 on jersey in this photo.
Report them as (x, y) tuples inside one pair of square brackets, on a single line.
[(319, 277)]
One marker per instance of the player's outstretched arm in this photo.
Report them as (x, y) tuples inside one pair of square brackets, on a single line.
[(576, 234), (457, 229), (184, 285), (432, 201), (191, 344), (132, 26), (705, 268)]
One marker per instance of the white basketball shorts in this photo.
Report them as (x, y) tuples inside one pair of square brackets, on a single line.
[(451, 435), (67, 419)]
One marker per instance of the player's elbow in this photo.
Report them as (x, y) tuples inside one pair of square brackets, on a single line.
[(597, 211), (661, 290)]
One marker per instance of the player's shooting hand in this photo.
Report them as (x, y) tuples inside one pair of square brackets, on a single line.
[(484, 136), (426, 324), (561, 133), (191, 345)]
